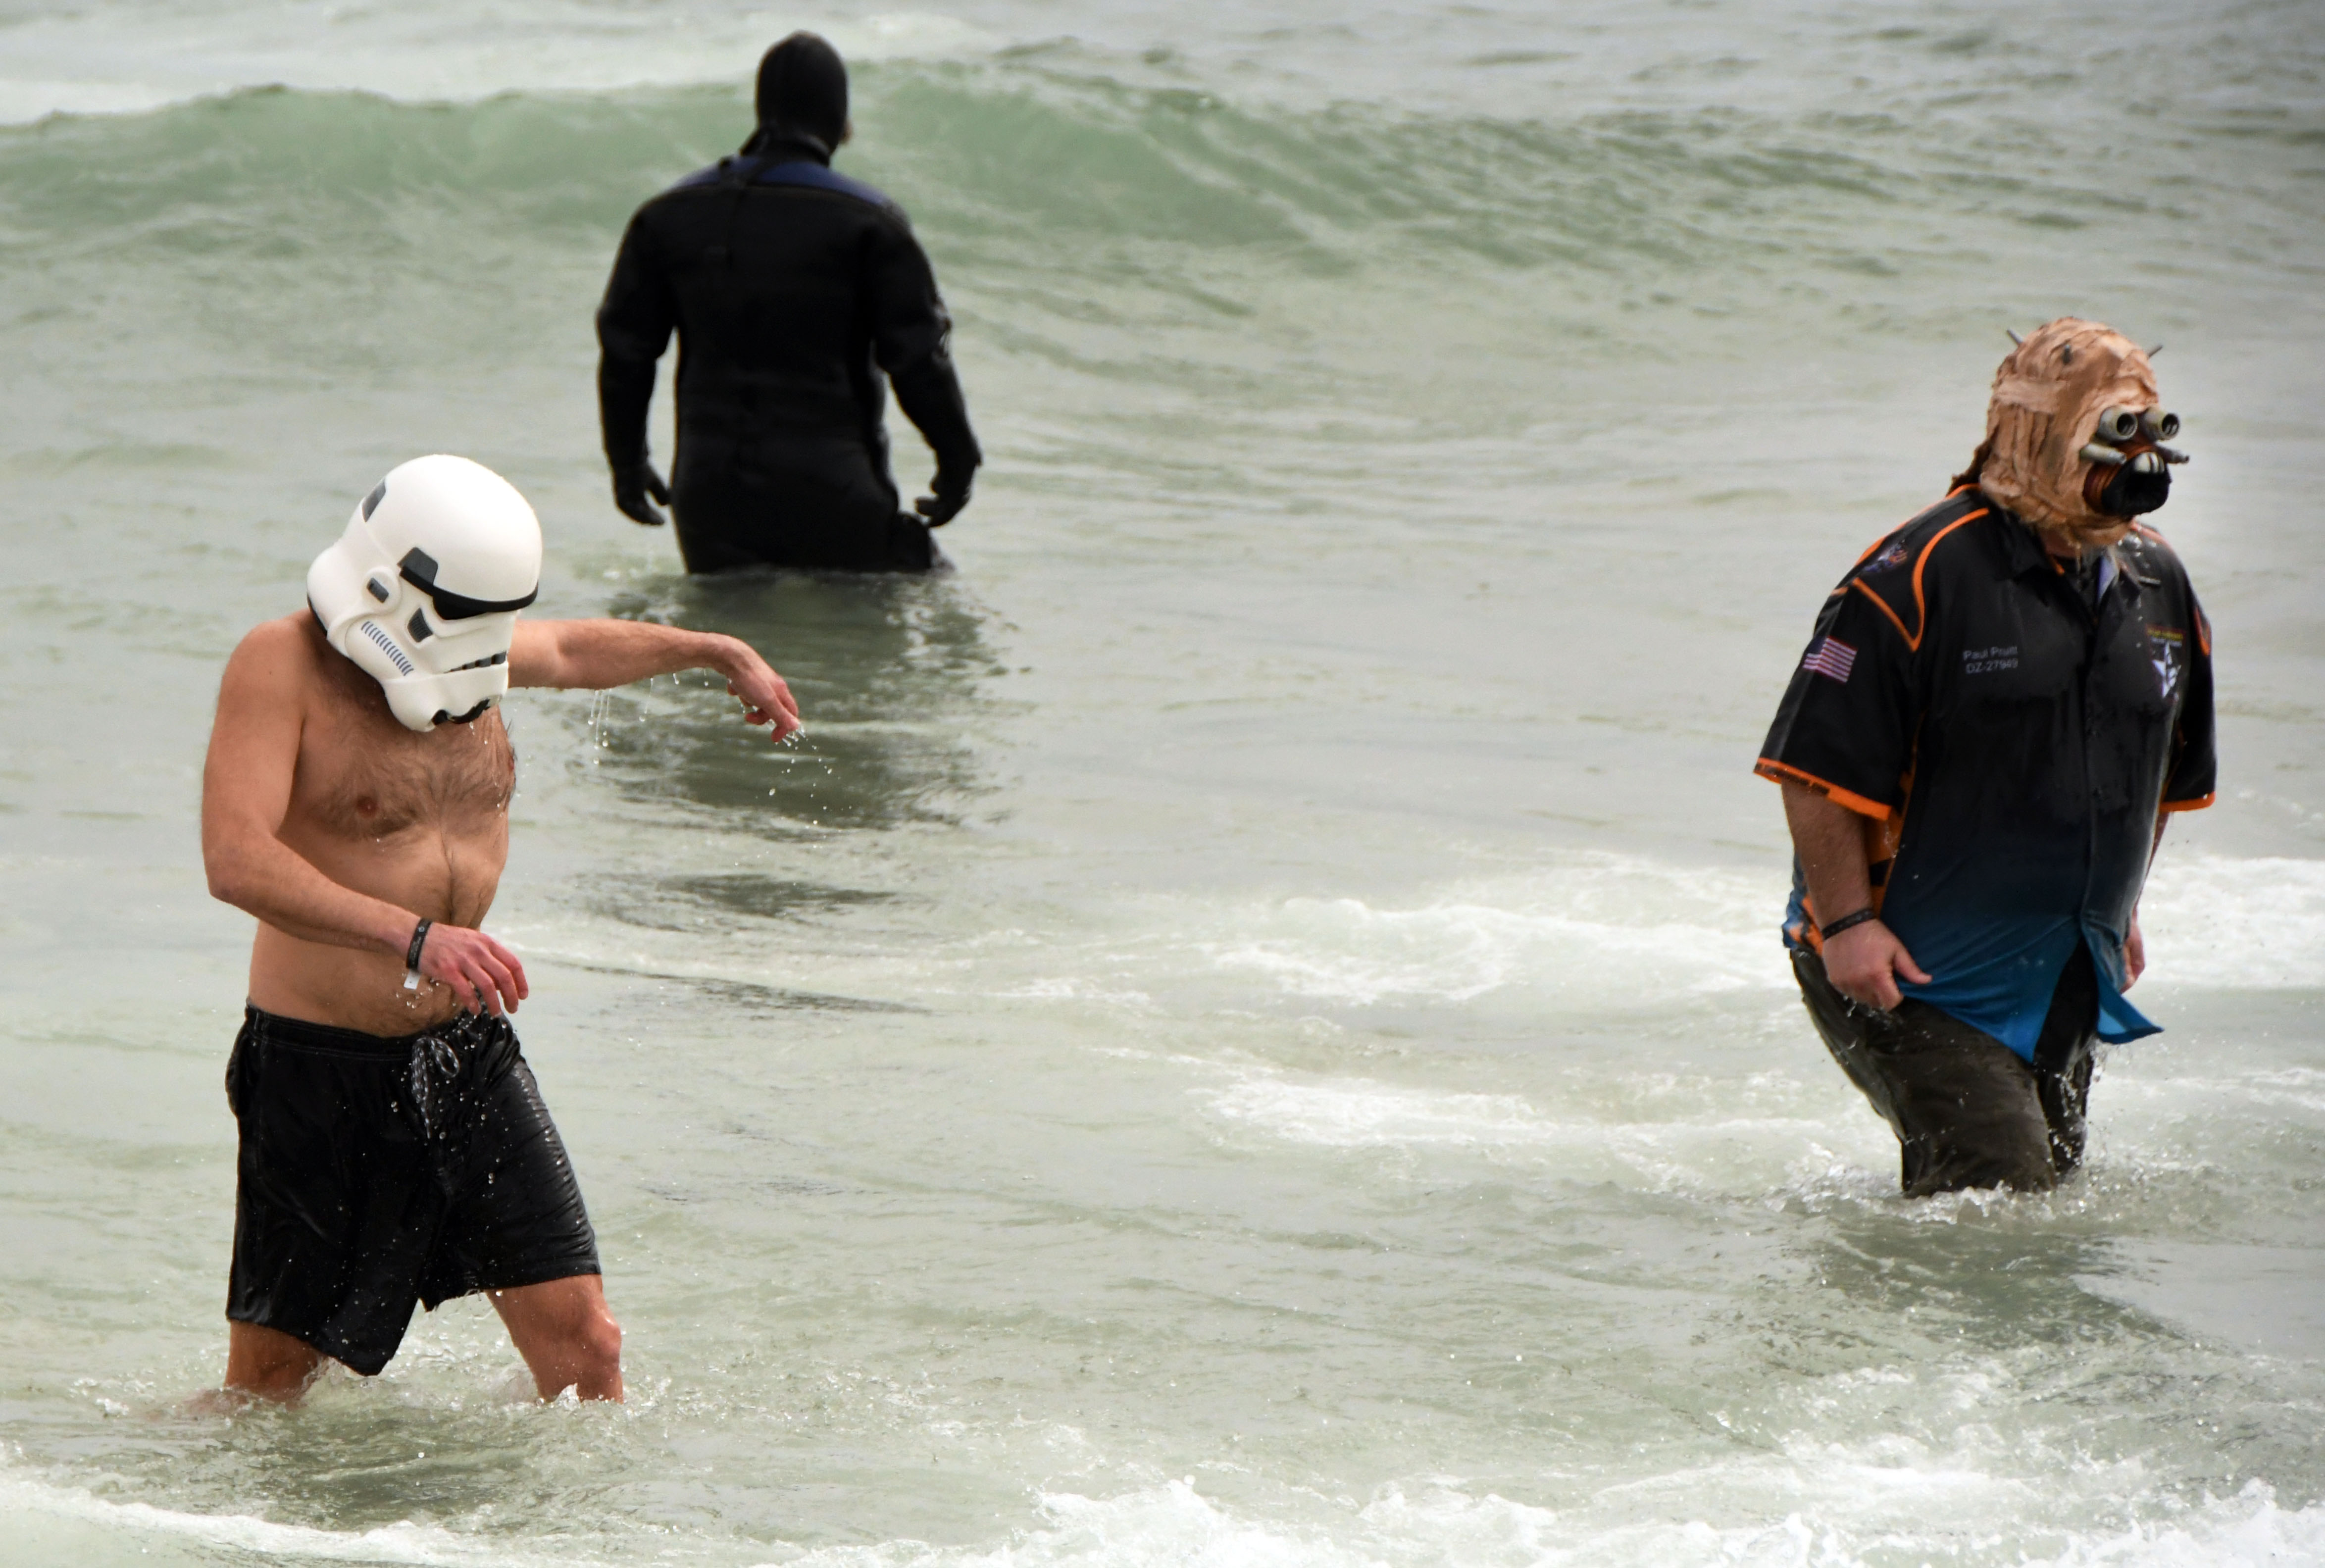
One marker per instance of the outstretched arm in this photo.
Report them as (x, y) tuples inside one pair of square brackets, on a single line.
[(599, 654), (246, 781), (1864, 961)]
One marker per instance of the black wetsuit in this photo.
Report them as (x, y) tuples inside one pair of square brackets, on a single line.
[(792, 289)]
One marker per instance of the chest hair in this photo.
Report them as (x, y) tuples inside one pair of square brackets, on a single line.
[(364, 775)]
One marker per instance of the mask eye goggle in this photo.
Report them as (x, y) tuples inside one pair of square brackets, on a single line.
[(418, 568), (2143, 430), (2124, 424)]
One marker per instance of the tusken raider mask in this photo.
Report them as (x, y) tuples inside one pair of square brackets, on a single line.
[(2074, 433)]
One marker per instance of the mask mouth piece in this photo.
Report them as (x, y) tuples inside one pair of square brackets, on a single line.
[(2129, 480), (445, 716)]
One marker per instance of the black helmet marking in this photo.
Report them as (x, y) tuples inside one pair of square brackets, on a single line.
[(418, 569)]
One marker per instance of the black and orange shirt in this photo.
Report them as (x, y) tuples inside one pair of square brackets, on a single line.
[(2010, 734)]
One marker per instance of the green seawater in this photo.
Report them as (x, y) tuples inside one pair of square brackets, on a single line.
[(1250, 1031)]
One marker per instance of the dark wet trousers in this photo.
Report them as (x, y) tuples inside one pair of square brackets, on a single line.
[(1967, 1109), (798, 501)]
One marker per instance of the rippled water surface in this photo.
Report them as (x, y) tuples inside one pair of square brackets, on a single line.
[(1251, 1031)]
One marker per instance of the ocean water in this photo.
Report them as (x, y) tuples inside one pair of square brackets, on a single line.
[(1250, 1032)]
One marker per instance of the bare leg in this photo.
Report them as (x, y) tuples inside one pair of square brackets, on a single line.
[(565, 1335), (269, 1363)]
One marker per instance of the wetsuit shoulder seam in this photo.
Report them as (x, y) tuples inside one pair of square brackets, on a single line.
[(703, 179), (886, 206)]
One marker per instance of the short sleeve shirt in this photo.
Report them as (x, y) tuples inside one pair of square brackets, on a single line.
[(2010, 746)]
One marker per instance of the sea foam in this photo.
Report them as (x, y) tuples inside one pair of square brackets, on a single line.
[(1621, 931)]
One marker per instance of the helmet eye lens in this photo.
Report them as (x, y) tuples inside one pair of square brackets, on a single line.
[(460, 607), (418, 568)]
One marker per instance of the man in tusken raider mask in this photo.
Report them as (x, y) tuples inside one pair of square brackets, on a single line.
[(394, 1148), (2001, 702), (793, 290)]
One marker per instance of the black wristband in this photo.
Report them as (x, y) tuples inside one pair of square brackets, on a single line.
[(1847, 921), (419, 941)]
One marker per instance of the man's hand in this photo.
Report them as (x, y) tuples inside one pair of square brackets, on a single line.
[(2135, 954), (946, 505), (765, 699), (482, 973), (633, 485), (1864, 961)]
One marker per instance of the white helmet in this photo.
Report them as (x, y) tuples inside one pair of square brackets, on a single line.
[(423, 588)]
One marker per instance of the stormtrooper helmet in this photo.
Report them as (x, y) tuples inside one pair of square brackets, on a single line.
[(423, 588)]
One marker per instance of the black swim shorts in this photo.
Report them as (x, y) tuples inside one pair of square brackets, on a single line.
[(376, 1172)]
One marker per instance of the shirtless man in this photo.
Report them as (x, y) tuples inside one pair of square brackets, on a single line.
[(393, 1145)]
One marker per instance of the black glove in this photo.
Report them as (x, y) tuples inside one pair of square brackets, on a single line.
[(632, 486), (945, 505)]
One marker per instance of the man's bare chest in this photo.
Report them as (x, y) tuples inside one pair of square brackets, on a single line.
[(363, 776)]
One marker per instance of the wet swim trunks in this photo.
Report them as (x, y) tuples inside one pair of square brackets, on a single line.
[(379, 1171), (1968, 1110)]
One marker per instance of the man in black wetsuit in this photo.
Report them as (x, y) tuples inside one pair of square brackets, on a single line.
[(792, 289)]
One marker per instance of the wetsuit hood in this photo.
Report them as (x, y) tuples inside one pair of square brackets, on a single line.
[(2049, 394), (801, 97)]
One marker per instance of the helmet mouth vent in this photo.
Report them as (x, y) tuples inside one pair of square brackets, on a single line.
[(395, 656)]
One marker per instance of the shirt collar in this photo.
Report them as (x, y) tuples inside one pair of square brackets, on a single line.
[(2024, 547), (2022, 544)]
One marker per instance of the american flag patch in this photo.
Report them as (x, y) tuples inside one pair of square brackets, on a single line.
[(1831, 656)]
